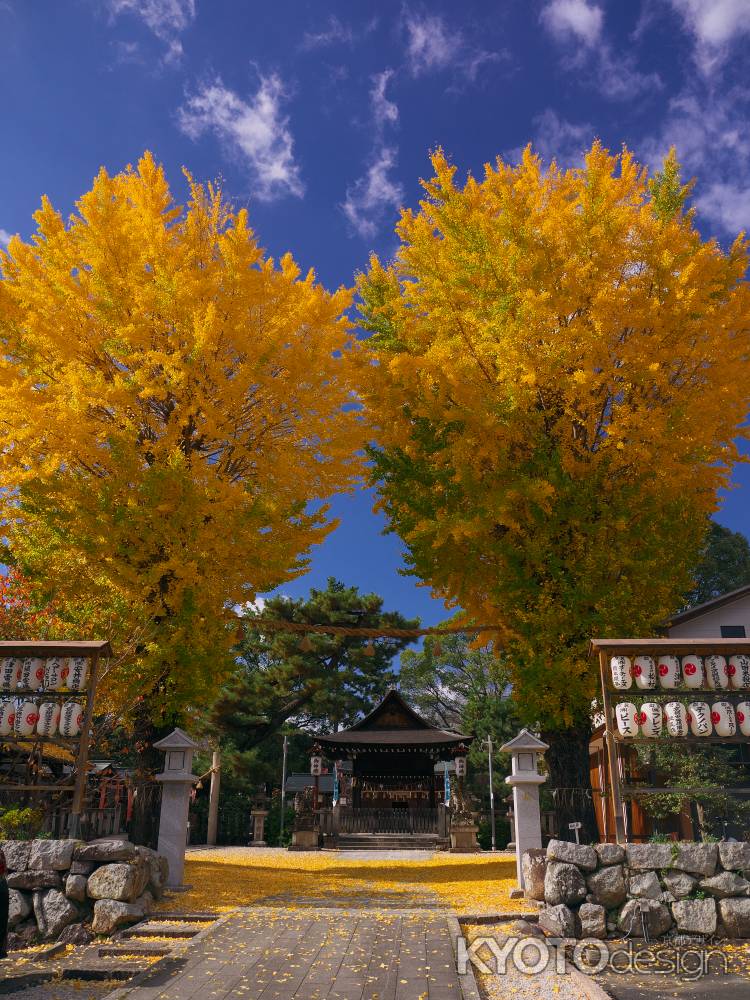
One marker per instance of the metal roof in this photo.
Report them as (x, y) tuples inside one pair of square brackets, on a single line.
[(712, 605)]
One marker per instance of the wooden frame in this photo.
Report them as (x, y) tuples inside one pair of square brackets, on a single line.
[(93, 651), (613, 739)]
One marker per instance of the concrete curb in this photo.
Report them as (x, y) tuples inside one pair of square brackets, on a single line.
[(467, 981)]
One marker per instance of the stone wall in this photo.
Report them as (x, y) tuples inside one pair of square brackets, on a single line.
[(68, 890), (641, 890)]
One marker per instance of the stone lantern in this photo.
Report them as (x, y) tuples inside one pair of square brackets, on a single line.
[(177, 780), (525, 781)]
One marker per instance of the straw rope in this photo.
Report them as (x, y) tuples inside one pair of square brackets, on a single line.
[(274, 625)]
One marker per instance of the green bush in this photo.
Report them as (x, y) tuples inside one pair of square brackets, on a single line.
[(21, 824), (502, 833)]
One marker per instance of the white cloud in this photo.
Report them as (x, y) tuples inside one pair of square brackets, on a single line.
[(555, 138), (256, 131), (727, 205), (711, 133), (369, 198), (167, 19), (573, 20), (578, 28), (372, 195), (384, 111), (715, 24), (5, 237), (428, 45), (336, 33), (431, 46)]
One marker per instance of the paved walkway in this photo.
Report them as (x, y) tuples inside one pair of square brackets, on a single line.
[(263, 953)]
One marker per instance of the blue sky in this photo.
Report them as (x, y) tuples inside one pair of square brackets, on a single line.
[(319, 116)]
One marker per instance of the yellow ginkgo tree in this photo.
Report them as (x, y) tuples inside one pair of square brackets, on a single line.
[(560, 367), (175, 406)]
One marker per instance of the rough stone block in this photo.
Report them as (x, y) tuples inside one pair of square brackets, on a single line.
[(117, 881), (725, 884), (610, 854), (16, 854), (106, 851), (109, 914), (644, 885), (680, 884), (563, 883), (697, 859), (534, 868), (735, 916), (607, 886), (19, 906), (695, 916), (52, 854), (644, 915), (648, 856), (593, 920), (75, 887), (53, 911), (30, 880), (573, 854), (558, 921), (734, 857)]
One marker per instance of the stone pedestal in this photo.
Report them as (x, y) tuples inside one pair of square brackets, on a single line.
[(177, 780), (525, 781), (464, 840), (304, 840), (258, 827)]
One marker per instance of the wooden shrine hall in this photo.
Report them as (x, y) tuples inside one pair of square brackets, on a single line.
[(395, 784)]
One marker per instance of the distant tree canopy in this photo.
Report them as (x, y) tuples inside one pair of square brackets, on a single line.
[(324, 688), (724, 565)]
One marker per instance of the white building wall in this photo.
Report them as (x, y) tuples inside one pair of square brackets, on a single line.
[(708, 625)]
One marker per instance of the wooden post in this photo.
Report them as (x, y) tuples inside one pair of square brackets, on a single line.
[(213, 799), (83, 751), (612, 754)]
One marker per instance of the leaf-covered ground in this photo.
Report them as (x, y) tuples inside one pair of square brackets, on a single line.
[(223, 878)]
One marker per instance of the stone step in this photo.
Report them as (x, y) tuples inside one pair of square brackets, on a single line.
[(189, 918), (142, 950), (147, 930)]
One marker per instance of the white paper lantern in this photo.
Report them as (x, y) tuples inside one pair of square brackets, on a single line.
[(10, 673), (27, 716), (32, 673), (743, 717), (53, 669), (71, 719), (692, 671), (668, 669), (622, 676), (699, 717), (627, 718), (79, 667), (7, 717), (677, 721), (739, 671), (49, 718), (722, 717), (644, 671), (650, 719), (717, 674)]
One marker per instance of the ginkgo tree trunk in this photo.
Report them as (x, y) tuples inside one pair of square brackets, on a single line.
[(559, 369), (174, 407)]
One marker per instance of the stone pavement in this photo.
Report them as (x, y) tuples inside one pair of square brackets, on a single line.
[(262, 953)]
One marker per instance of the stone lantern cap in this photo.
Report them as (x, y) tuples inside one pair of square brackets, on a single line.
[(177, 740), (178, 748), (524, 741), (525, 748)]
